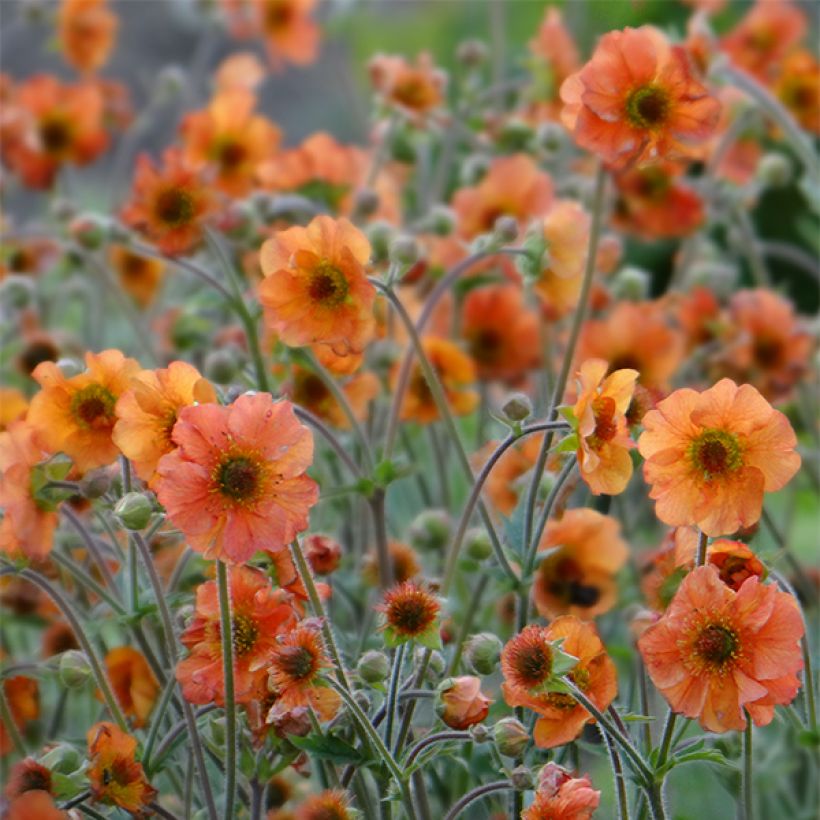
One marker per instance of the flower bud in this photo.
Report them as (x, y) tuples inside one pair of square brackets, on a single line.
[(74, 670), (294, 721), (482, 653), (373, 667), (517, 407), (89, 231), (220, 366), (474, 168), (505, 229), (170, 81), (511, 737), (522, 779), (441, 220), (323, 553), (719, 277), (775, 170), (366, 202), (95, 484), (379, 235), (472, 53), (404, 250), (460, 702), (550, 137), (631, 283), (435, 666), (16, 291), (430, 530), (134, 511), (477, 544), (63, 209), (516, 135), (480, 733)]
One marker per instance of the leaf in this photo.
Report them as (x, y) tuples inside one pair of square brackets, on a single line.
[(630, 717), (328, 747)]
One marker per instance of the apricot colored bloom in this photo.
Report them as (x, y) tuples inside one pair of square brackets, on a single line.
[(566, 234), (456, 372), (798, 88), (637, 99), (502, 334), (236, 484), (23, 697), (403, 559), (115, 776), (560, 796), (315, 288), (27, 775), (414, 89), (710, 456), (240, 70), (699, 315), (296, 667), (525, 660), (309, 390), (507, 477), (735, 562), (555, 57), (76, 415), (601, 428), (169, 204), (139, 276), (331, 804), (716, 652), (86, 30), (148, 410), (584, 550), (461, 702), (135, 685), (288, 29), (410, 612), (513, 186), (34, 803), (259, 615), (229, 138)]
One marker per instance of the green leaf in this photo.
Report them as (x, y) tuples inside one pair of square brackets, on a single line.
[(328, 747)]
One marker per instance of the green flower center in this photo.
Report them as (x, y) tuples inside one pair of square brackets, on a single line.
[(715, 453), (328, 285), (647, 107), (93, 406)]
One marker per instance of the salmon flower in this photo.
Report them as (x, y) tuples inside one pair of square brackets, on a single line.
[(169, 204), (139, 276), (555, 57), (134, 684), (637, 99), (148, 410), (76, 415), (414, 89), (560, 796), (236, 484), (798, 88), (461, 703), (86, 30), (717, 652), (584, 550), (259, 614), (309, 390), (600, 425), (34, 803), (13, 407), (229, 138), (28, 775), (115, 776), (315, 288), (455, 370), (23, 697), (527, 662), (289, 30), (513, 186), (711, 456)]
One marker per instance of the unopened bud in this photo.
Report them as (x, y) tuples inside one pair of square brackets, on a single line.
[(505, 229), (323, 553), (373, 667), (522, 779), (482, 653), (517, 407), (441, 220), (17, 292), (366, 202), (775, 170), (631, 283), (550, 137), (220, 366), (134, 511), (380, 235), (95, 484), (477, 544), (74, 670), (88, 231), (474, 168), (472, 53), (435, 666), (516, 135), (430, 530), (404, 250), (480, 732), (511, 737)]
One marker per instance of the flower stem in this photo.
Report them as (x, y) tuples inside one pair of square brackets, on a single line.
[(439, 737), (226, 634), (703, 543), (477, 794), (666, 740), (748, 796), (392, 694)]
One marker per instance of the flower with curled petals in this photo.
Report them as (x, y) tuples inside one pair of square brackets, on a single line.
[(560, 796)]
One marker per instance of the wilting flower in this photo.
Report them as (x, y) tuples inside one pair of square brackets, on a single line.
[(86, 30), (560, 796), (76, 415), (139, 276), (236, 483), (115, 776), (315, 288), (637, 99), (410, 613), (331, 804), (134, 684), (414, 89), (735, 562), (259, 614), (323, 553), (148, 410), (169, 204), (601, 428), (584, 550), (716, 652), (710, 456), (461, 702)]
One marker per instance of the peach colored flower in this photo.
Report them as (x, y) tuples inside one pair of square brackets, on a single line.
[(86, 30), (462, 703), (560, 796)]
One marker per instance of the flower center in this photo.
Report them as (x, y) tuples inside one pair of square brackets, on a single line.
[(174, 207), (715, 453), (297, 662), (133, 266), (93, 406), (409, 615), (565, 580), (485, 345), (238, 478), (603, 409), (647, 107), (55, 135), (230, 154), (716, 644), (533, 664), (328, 285), (245, 633), (278, 13), (654, 183), (767, 352)]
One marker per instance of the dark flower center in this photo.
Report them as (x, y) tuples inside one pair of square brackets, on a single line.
[(716, 644), (716, 453), (42, 350), (230, 154), (486, 345), (409, 615), (55, 135), (93, 406), (767, 352), (328, 285), (533, 664), (238, 478), (647, 107), (278, 13), (605, 426), (297, 662), (175, 207)]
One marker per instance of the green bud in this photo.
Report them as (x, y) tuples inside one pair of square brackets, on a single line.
[(517, 407), (480, 732), (430, 530), (472, 53), (775, 170), (505, 229), (516, 135), (95, 484), (631, 283), (474, 168), (482, 653), (220, 366), (435, 666), (134, 511), (522, 779), (511, 737), (404, 250), (477, 544), (380, 234), (17, 291), (366, 202), (74, 670), (373, 667), (441, 220)]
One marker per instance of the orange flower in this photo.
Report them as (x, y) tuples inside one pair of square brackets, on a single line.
[(455, 370), (323, 553), (28, 775), (637, 99), (710, 456), (259, 615), (513, 186), (115, 776), (310, 391), (584, 551), (231, 139), (501, 332), (168, 205), (331, 804), (555, 58), (560, 796), (716, 652), (735, 562), (13, 407), (410, 613), (133, 682), (504, 483), (290, 33), (296, 666), (404, 559), (699, 315), (415, 89), (601, 428), (316, 290), (241, 70), (76, 415), (139, 276), (798, 88), (148, 410), (23, 697), (526, 662), (461, 702), (34, 804), (86, 30), (236, 483)]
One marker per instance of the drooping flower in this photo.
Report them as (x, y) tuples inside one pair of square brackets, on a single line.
[(259, 615), (461, 702), (560, 796), (148, 410), (315, 288), (410, 612), (323, 553), (135, 685), (716, 652), (76, 415), (139, 276), (86, 30), (601, 428), (236, 483), (637, 99), (711, 456), (584, 550), (414, 89), (115, 776)]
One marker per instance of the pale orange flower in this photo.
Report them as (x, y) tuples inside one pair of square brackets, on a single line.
[(147, 412), (289, 30), (415, 89), (716, 652), (798, 88), (637, 99), (139, 276), (711, 456), (241, 70), (555, 58), (76, 415), (86, 30), (560, 796), (23, 697), (13, 407), (134, 684), (462, 703)]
